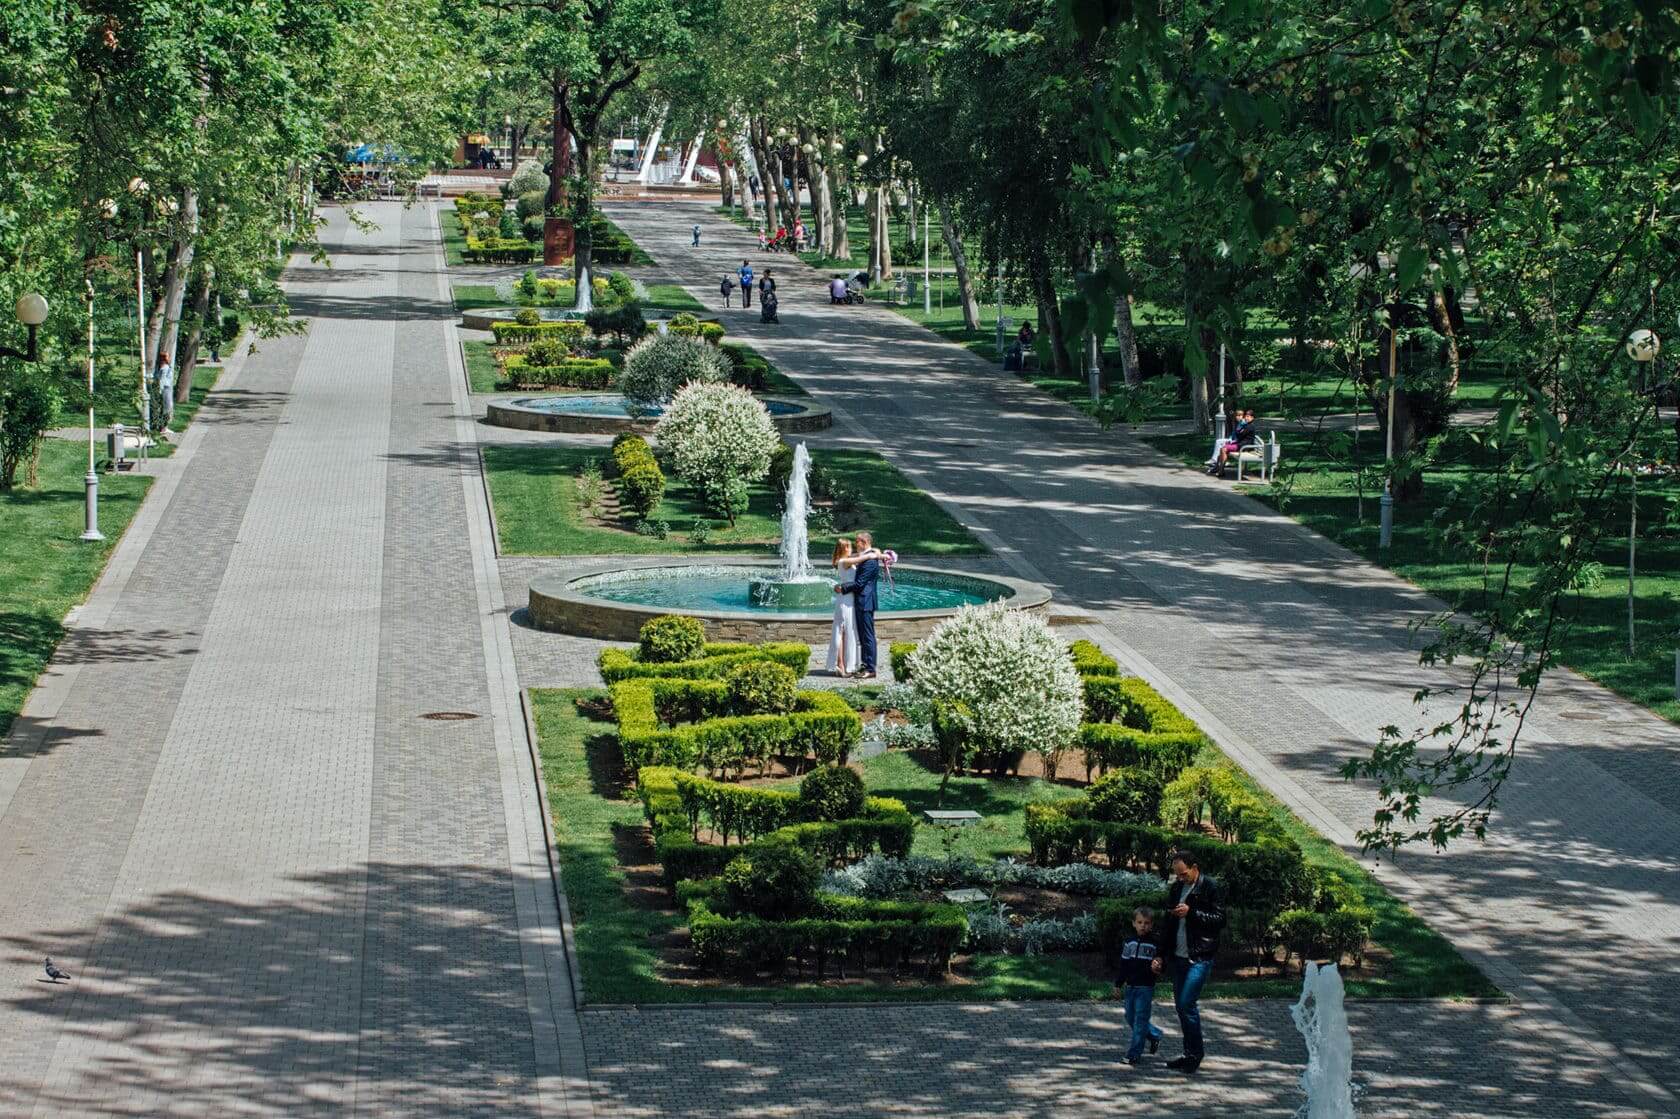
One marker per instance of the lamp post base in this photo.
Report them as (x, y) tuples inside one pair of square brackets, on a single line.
[(1385, 535), (92, 508)]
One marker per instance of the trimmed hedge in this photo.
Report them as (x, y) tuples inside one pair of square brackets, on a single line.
[(715, 661), (904, 935), (676, 803), (469, 204), (1088, 660), (1131, 724), (500, 250), (569, 331), (750, 370), (568, 373), (898, 653), (677, 722), (641, 486)]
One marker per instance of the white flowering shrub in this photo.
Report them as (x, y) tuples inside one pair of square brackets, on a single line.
[(656, 367), (720, 439), (1003, 683), (527, 177)]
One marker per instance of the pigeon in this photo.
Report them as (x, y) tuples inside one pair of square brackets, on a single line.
[(54, 973)]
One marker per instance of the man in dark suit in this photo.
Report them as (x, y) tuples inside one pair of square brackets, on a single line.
[(863, 586)]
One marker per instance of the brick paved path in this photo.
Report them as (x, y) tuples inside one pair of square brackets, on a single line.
[(1573, 906), (281, 892)]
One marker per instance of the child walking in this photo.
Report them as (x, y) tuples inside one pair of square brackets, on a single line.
[(1137, 983), (727, 288)]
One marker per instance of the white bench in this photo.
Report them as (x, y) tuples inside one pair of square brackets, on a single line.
[(1264, 455)]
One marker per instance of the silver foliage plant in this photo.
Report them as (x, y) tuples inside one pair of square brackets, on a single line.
[(881, 876)]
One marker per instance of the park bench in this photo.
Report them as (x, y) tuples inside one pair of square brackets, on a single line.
[(1262, 454)]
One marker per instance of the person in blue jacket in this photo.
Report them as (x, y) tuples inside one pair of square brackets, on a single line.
[(746, 275), (863, 587)]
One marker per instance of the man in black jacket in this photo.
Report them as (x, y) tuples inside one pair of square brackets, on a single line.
[(1189, 941)]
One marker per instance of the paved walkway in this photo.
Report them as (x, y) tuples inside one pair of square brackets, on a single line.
[(1292, 652), (280, 890)]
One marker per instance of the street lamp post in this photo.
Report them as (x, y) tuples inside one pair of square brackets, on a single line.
[(31, 312), (1642, 346)]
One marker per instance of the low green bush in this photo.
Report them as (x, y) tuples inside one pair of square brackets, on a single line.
[(469, 204), (772, 880), (519, 371), (624, 323), (528, 326), (748, 369), (640, 489), (761, 687), (1130, 795), (683, 723), (898, 653), (711, 332), (831, 793), (530, 204), (501, 249), (713, 662), (670, 638), (897, 934), (1088, 660), (1114, 917), (1129, 723)]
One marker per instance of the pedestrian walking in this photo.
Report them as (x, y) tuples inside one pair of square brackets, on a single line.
[(745, 275), (766, 287), (1190, 940), (727, 288), (1137, 983), (696, 234)]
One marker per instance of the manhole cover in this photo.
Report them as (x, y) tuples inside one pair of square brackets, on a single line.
[(448, 716), (1579, 715)]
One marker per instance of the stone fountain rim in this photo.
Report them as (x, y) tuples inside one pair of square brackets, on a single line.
[(1024, 593)]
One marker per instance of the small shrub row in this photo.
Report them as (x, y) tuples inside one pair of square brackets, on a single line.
[(713, 661), (1233, 811), (1129, 723), (682, 723), (624, 322), (901, 935), (899, 653), (1303, 934), (469, 204), (686, 325), (569, 373), (641, 487), (500, 250), (569, 331), (1088, 660)]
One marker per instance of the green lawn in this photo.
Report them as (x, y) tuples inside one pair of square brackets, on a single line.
[(617, 940), (534, 490), (471, 297), (44, 568), (454, 241), (1318, 490), (121, 407), (671, 298), (482, 372)]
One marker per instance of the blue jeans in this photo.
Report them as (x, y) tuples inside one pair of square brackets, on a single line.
[(1138, 1001), (1188, 977)]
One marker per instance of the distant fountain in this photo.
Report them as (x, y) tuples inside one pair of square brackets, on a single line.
[(1321, 1017), (796, 585)]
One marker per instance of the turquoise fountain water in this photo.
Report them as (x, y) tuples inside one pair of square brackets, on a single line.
[(795, 586)]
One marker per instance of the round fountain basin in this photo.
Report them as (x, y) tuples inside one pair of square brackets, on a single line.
[(608, 413), (481, 318), (613, 604)]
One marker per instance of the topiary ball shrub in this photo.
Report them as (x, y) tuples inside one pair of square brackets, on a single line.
[(672, 637), (531, 203), (527, 316), (834, 792), (547, 350), (1126, 796), (622, 287), (772, 880), (656, 367), (761, 688)]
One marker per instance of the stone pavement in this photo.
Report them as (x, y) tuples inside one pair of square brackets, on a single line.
[(1293, 653), (281, 891)]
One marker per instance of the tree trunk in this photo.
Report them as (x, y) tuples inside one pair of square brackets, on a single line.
[(726, 182), (1405, 421), (1051, 312), (880, 239), (1125, 336), (840, 241), (558, 230), (1440, 314), (749, 208), (189, 246), (167, 294), (1200, 412), (761, 155), (785, 198), (188, 363), (952, 234)]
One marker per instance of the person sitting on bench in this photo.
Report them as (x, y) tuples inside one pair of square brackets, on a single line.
[(1242, 435)]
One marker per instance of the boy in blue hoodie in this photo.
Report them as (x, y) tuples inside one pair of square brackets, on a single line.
[(1137, 982)]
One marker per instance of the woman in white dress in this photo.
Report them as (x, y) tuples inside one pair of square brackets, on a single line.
[(844, 653)]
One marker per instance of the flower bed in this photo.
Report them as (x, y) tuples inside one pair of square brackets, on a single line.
[(569, 373)]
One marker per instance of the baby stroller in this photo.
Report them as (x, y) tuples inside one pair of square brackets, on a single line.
[(767, 307)]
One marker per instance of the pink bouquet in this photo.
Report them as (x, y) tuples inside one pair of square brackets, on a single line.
[(888, 558)]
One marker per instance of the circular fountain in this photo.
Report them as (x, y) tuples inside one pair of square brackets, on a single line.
[(608, 413), (742, 599)]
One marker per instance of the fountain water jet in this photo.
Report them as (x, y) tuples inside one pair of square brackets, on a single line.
[(1321, 1018), (796, 586)]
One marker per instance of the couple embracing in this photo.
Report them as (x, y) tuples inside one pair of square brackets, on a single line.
[(851, 645)]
